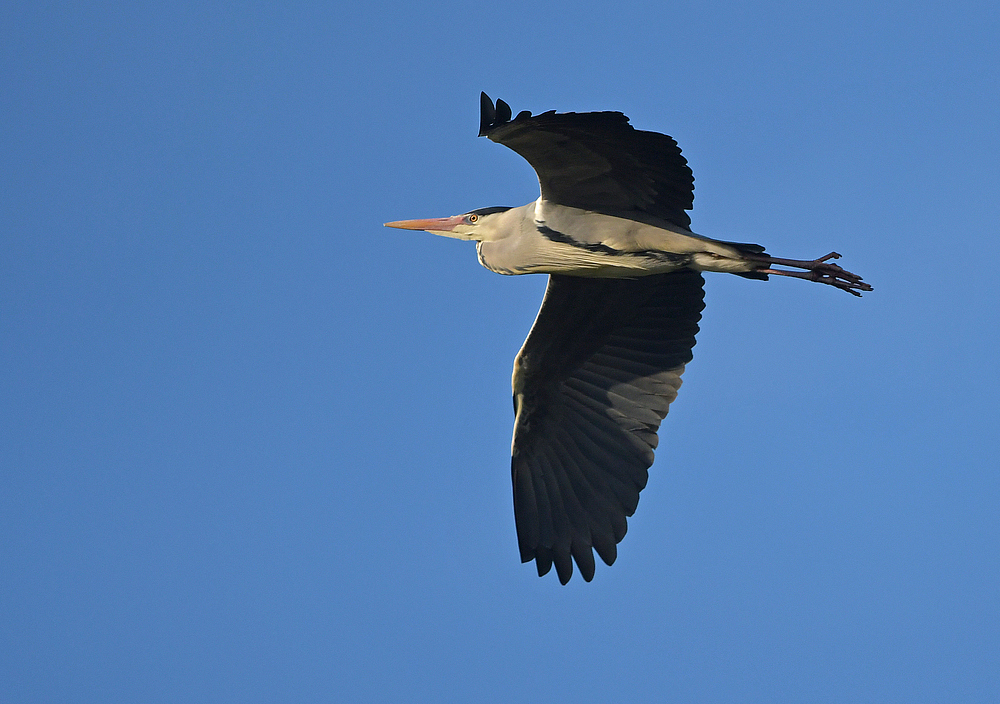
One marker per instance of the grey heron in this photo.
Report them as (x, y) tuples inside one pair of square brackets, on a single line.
[(604, 357)]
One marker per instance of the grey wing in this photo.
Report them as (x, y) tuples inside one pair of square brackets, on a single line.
[(592, 382), (597, 161)]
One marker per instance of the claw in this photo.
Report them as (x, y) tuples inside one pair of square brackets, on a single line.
[(818, 270)]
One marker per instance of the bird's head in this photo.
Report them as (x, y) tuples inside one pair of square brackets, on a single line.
[(483, 224)]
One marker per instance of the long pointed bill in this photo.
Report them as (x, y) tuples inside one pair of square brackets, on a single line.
[(430, 225)]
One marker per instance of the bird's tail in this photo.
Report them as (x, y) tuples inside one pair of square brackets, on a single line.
[(747, 248)]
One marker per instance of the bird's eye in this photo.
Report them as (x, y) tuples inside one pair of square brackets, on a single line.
[(473, 217)]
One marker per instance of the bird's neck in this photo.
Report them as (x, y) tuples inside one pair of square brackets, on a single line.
[(502, 251)]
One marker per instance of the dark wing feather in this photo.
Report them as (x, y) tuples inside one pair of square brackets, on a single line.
[(592, 382), (596, 161)]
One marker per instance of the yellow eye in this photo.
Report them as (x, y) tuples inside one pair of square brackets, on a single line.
[(473, 217)]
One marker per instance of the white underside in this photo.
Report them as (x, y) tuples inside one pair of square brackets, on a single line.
[(602, 246)]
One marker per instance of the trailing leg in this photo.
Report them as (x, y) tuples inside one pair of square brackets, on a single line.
[(820, 270)]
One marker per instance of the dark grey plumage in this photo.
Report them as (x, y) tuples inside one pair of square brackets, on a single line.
[(588, 406), (597, 161)]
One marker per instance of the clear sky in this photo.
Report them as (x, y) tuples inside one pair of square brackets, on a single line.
[(255, 446)]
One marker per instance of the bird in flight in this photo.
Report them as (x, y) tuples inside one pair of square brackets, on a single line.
[(604, 357)]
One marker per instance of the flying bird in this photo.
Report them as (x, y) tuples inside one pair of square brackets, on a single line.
[(604, 358)]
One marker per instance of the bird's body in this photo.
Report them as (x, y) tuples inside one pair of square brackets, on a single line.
[(548, 238), (604, 358)]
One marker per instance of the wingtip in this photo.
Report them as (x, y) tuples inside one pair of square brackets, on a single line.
[(492, 116), (487, 113), (503, 112)]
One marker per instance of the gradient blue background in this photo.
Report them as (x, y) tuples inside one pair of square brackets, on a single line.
[(255, 446)]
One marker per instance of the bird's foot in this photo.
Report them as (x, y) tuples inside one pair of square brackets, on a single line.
[(820, 270)]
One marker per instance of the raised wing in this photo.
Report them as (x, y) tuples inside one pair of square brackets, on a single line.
[(592, 382), (596, 161)]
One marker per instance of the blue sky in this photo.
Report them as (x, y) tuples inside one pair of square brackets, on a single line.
[(255, 446)]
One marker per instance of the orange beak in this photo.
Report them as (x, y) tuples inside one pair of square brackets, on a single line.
[(430, 225)]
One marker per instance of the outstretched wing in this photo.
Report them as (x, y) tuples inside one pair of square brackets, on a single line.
[(592, 382), (596, 161)]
